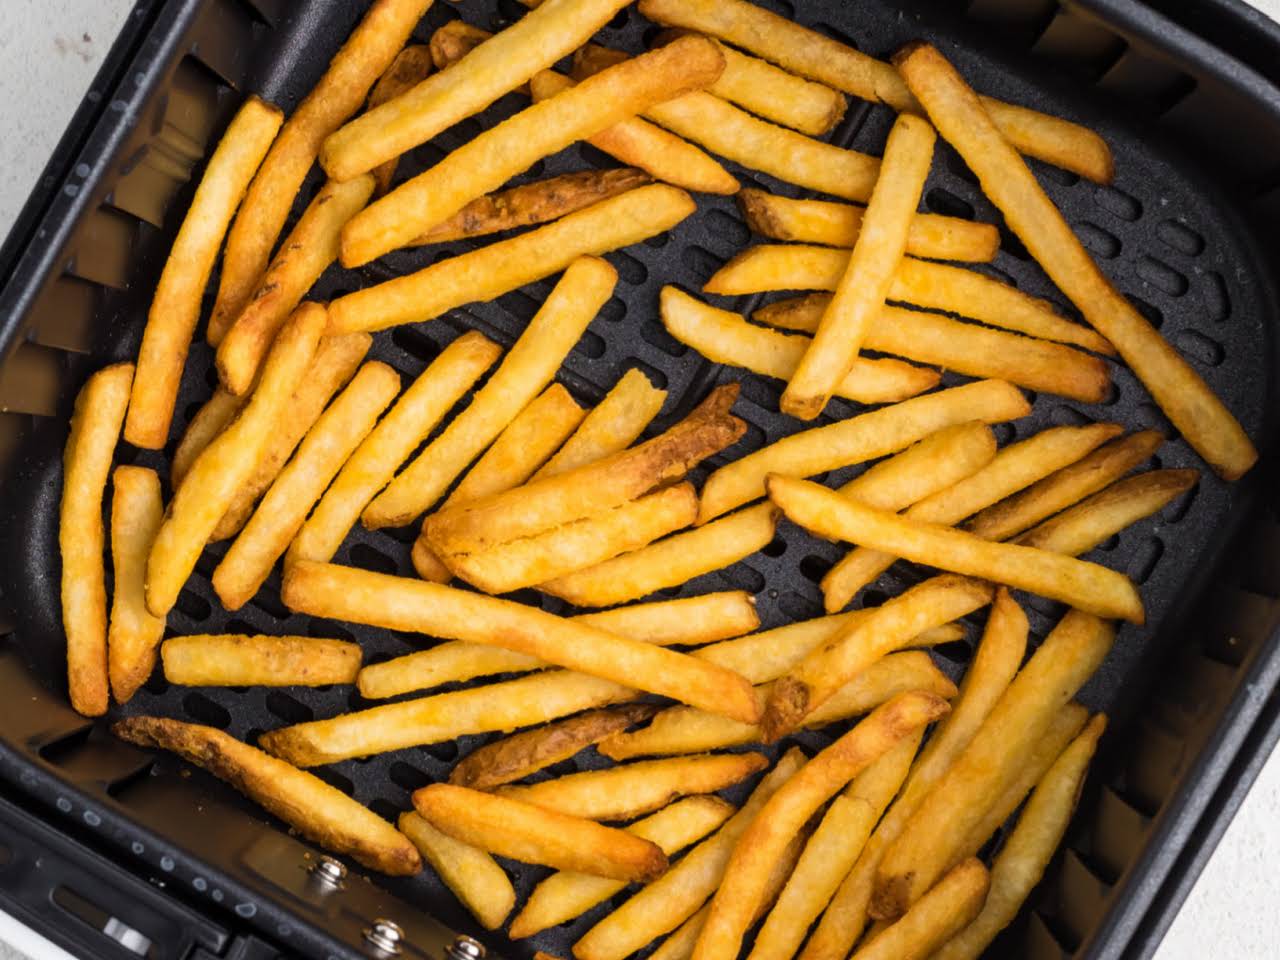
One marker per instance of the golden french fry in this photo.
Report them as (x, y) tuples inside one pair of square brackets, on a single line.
[(374, 43), (1088, 586), (563, 896), (398, 603), (493, 157), (528, 367), (86, 461), (498, 268), (134, 634), (941, 913), (838, 225), (673, 898), (860, 294), (887, 628), (532, 834), (492, 68), (306, 803), (411, 66), (305, 253), (472, 874), (816, 56), (935, 463), (414, 415), (452, 662), (612, 425), (1181, 393), (229, 461), (239, 660), (724, 337), (858, 439), (928, 846), (210, 420), (175, 309), (1066, 486)]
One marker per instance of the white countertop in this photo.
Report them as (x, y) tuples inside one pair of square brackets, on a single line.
[(49, 51)]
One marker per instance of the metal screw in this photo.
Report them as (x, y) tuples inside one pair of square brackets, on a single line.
[(465, 948), (329, 872), (386, 936)]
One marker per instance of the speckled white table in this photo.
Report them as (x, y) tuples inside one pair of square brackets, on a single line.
[(49, 51)]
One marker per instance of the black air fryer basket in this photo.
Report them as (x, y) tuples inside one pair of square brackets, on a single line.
[(95, 833)]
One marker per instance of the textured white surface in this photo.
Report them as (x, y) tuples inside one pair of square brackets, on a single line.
[(49, 51)]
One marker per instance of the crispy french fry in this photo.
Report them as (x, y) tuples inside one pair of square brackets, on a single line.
[(368, 52), (532, 834), (133, 634), (484, 74), (1198, 414), (941, 913), (860, 294), (724, 337), (239, 660), (411, 66), (1067, 486), (455, 40), (811, 54), (1088, 586), (210, 420), (563, 896), (453, 662), (671, 899), (838, 225), (865, 437), (175, 309), (308, 249), (414, 415), (398, 603), (472, 874), (229, 461), (498, 268), (521, 754), (528, 367), (612, 425), (306, 803), (245, 567), (86, 461)]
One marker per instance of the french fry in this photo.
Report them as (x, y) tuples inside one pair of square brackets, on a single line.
[(521, 754), (374, 43), (411, 66), (453, 41), (133, 634), (484, 74), (452, 662), (1014, 468), (563, 896), (306, 803), (887, 628), (537, 202), (580, 545), (229, 461), (858, 439), (927, 847), (860, 294), (818, 57), (1088, 586), (671, 899), (1067, 486), (941, 913), (327, 445), (472, 874), (612, 425), (498, 268), (838, 225), (239, 660), (1177, 388), (493, 157), (783, 816), (210, 420), (724, 337), (593, 488), (1022, 859), (415, 414), (528, 367), (86, 462), (634, 789), (175, 308), (398, 603), (532, 834), (308, 249)]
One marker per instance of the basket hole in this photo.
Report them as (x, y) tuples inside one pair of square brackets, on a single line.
[(1064, 416), (371, 558), (334, 779), (269, 601), (286, 708), (655, 376), (615, 310), (620, 19), (630, 270), (1162, 276), (156, 684), (955, 651), (203, 710), (658, 240), (519, 304), (590, 345), (727, 228), (701, 263), (193, 606), (408, 777), (1101, 243), (1004, 432), (1180, 506), (1011, 244), (1153, 314), (943, 201), (1180, 238), (814, 567), (796, 607), (1200, 348), (415, 343), (1117, 203), (1145, 559), (874, 598), (656, 334), (385, 809), (329, 630), (445, 752), (1109, 544), (1216, 302), (775, 547), (743, 577)]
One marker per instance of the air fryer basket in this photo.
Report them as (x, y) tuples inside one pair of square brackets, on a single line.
[(1184, 231)]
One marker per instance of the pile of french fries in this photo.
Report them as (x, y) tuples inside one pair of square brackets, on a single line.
[(868, 848)]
